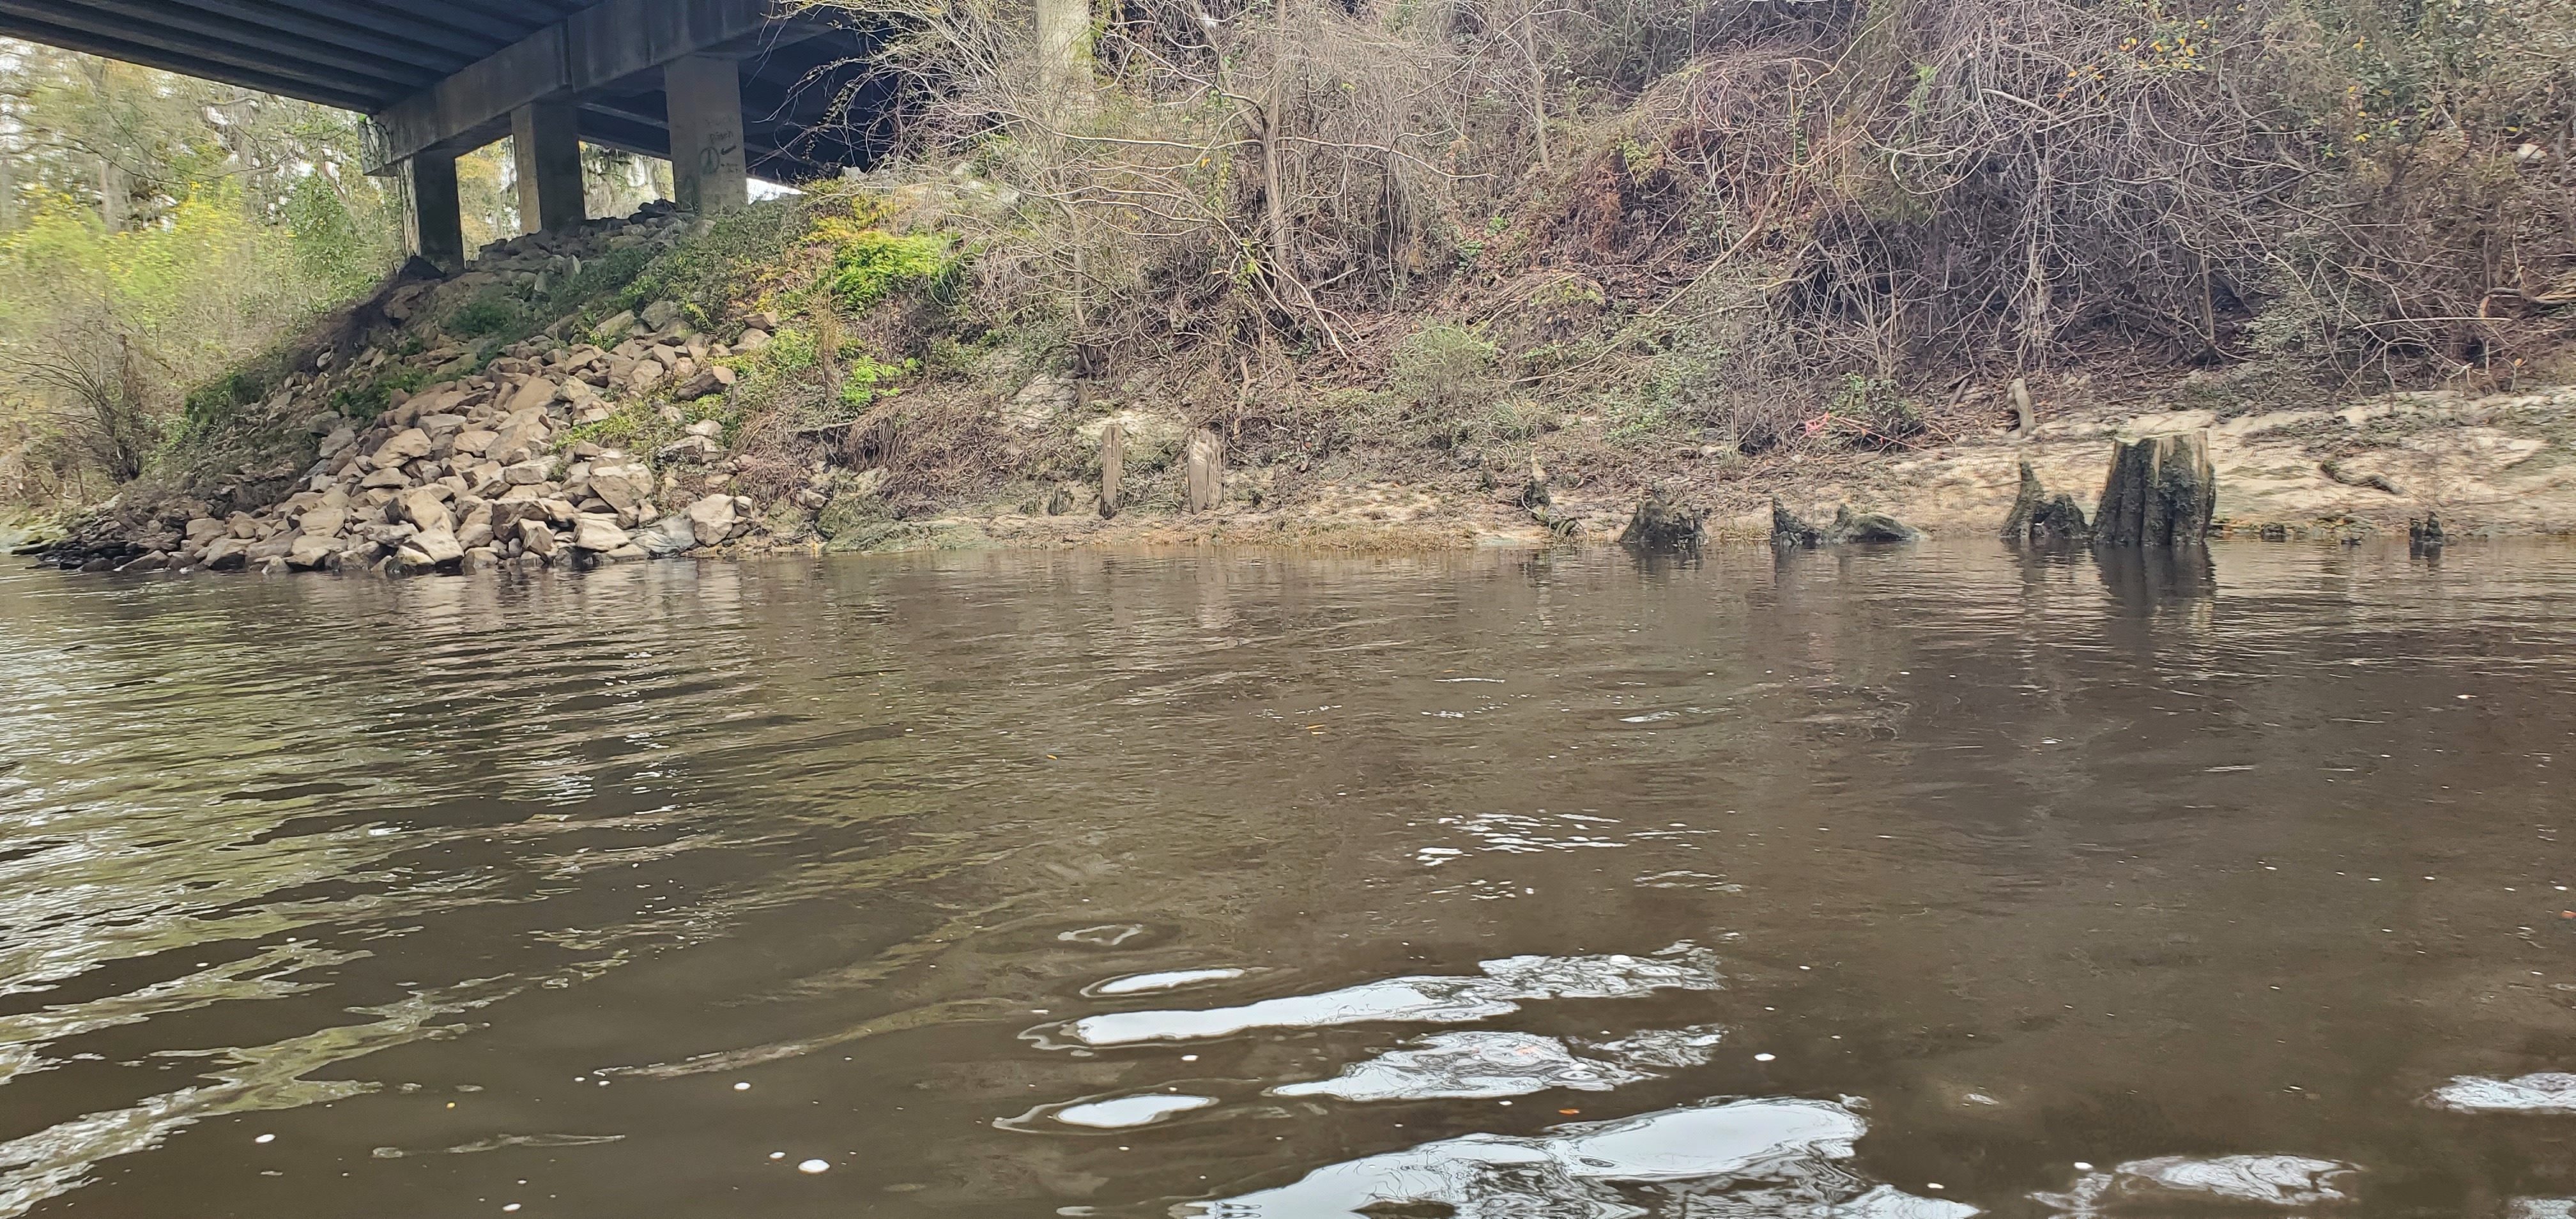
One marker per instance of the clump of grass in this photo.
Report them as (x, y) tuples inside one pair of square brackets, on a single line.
[(1446, 369), (708, 272), (871, 265), (488, 314), (368, 400)]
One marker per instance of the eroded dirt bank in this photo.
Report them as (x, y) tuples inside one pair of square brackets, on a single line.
[(2497, 465)]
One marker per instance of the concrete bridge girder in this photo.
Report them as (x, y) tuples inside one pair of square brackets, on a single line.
[(538, 89)]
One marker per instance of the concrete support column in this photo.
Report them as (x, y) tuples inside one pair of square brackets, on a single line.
[(433, 225), (708, 171), (547, 140)]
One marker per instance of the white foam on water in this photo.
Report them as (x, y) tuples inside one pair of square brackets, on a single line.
[(1723, 1152), (1466, 1066), (1137, 984), (1683, 1047), (1121, 1112), (1480, 1065), (2543, 1092), (1441, 999), (2283, 1181), (2540, 1208)]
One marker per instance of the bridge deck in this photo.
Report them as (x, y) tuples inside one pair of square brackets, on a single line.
[(381, 56)]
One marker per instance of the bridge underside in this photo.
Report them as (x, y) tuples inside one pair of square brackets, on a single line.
[(720, 87)]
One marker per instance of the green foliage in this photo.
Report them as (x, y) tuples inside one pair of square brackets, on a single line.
[(341, 253), (629, 427), (490, 313), (1446, 369), (1685, 376), (1877, 405), (871, 265), (370, 399), (103, 332), (789, 351), (708, 272), (218, 399), (1517, 419), (604, 279), (864, 380)]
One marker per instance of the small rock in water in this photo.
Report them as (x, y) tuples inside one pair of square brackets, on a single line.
[(1787, 530), (813, 1166), (1850, 526)]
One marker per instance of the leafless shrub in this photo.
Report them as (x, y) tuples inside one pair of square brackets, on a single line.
[(1782, 207), (94, 387)]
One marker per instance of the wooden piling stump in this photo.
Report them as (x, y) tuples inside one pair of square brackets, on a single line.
[(1113, 444), (2161, 491), (1206, 459)]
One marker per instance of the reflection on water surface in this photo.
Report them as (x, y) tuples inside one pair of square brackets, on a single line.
[(1904, 885)]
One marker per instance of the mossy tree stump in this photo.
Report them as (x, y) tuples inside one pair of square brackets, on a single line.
[(2161, 491)]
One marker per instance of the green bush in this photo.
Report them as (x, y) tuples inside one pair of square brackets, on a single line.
[(708, 272), (370, 400), (1444, 368), (218, 399), (871, 265), (490, 313), (789, 351), (864, 380)]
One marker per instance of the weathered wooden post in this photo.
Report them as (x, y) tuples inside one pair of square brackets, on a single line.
[(1206, 469), (2161, 491), (1113, 442)]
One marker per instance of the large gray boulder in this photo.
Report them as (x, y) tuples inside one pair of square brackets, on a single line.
[(712, 518), (538, 538), (426, 507), (598, 533), (311, 551), (669, 536), (439, 544), (407, 445)]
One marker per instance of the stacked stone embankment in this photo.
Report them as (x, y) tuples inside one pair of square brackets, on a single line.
[(484, 468)]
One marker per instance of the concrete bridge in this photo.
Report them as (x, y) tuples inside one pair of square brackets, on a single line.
[(723, 88)]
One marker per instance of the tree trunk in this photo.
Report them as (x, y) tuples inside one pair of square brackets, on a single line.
[(1064, 33), (115, 197), (1274, 198), (2161, 491), (1538, 84)]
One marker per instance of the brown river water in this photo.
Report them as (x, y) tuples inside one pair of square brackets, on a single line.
[(1886, 885)]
